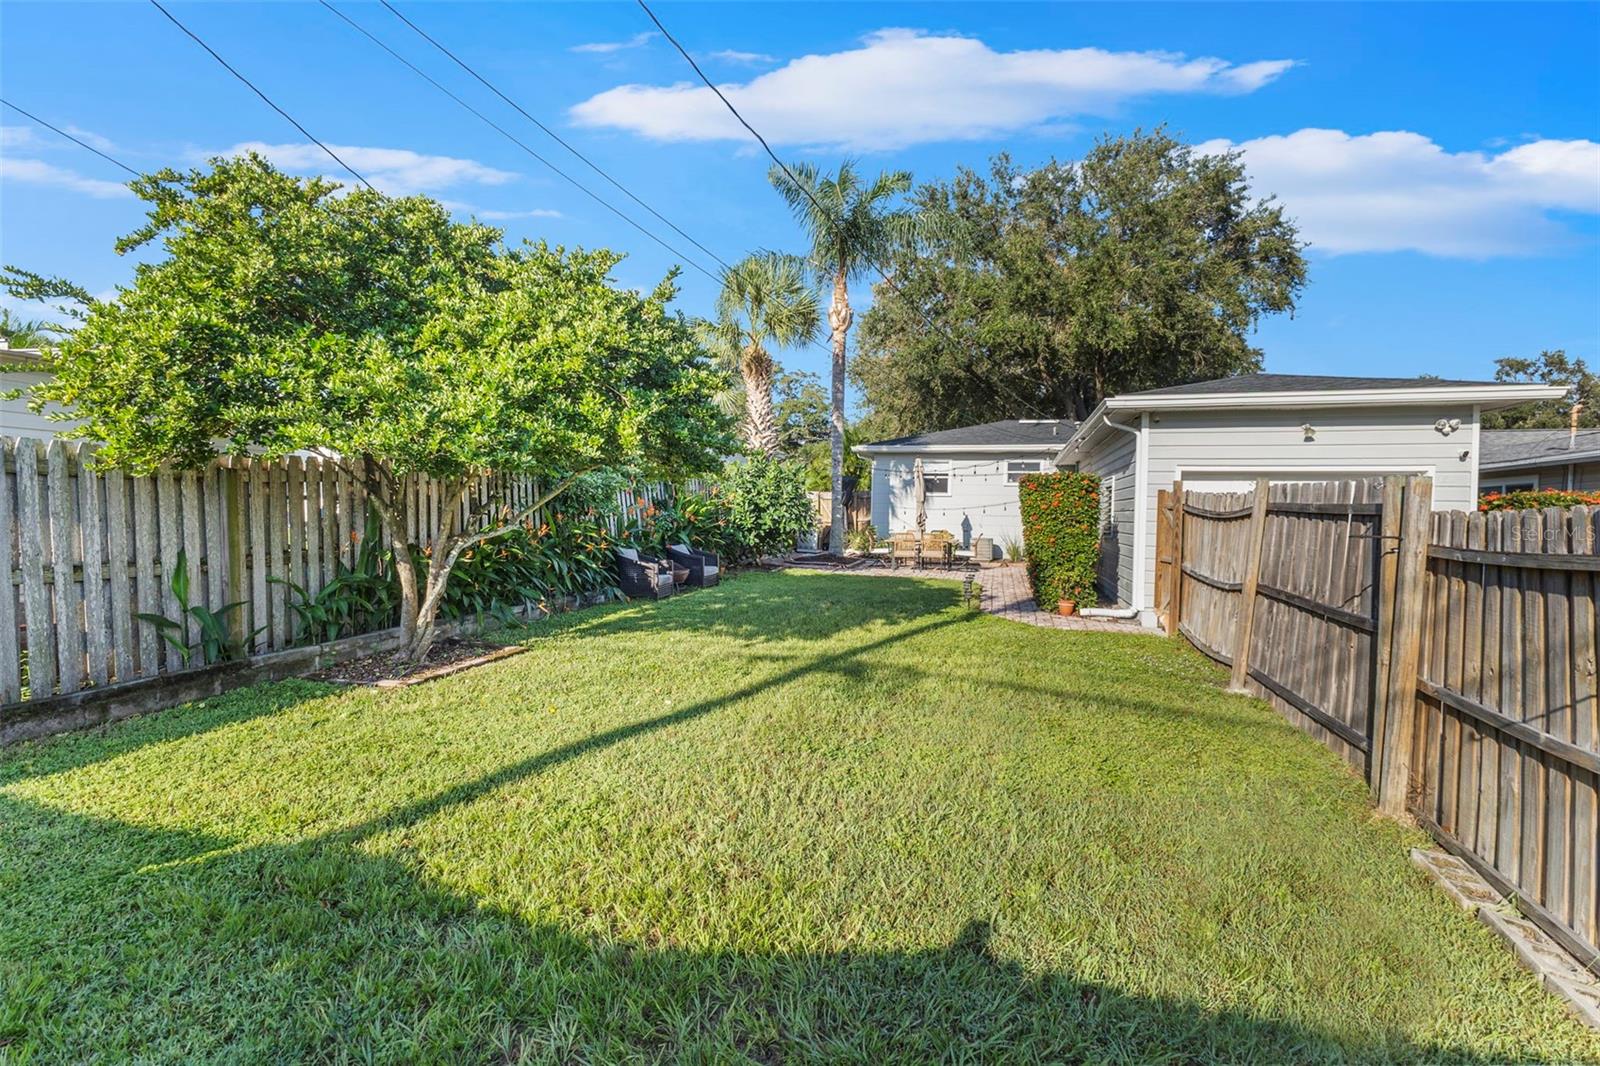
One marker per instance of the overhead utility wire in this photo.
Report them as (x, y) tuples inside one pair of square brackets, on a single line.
[(265, 98), (508, 135), (80, 143), (887, 280), (552, 134)]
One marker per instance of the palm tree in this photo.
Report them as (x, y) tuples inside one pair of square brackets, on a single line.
[(851, 230), (26, 333), (765, 299)]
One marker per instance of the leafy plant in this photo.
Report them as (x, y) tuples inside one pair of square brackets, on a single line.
[(1536, 499), (1060, 523), (566, 555), (1014, 548), (217, 642), (359, 599), (767, 506), (863, 539)]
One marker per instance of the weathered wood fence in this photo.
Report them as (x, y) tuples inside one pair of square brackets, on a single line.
[(85, 550), (1449, 657)]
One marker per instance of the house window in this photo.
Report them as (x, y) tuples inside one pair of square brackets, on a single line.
[(1522, 485), (1015, 468), (936, 476), (1108, 500)]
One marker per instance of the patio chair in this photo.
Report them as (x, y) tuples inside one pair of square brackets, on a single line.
[(903, 547), (702, 565), (641, 576), (936, 548)]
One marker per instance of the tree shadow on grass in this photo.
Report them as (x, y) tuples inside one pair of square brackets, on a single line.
[(52, 755), (169, 946)]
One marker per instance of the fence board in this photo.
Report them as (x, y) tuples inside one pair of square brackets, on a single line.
[(96, 620), (10, 622)]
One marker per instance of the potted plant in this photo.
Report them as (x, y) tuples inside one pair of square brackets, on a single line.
[(1067, 607)]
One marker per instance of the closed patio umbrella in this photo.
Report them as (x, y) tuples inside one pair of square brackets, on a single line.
[(922, 497)]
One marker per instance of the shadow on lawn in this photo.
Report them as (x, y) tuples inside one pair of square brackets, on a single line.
[(182, 947)]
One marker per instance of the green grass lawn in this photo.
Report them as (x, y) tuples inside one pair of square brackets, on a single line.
[(800, 816)]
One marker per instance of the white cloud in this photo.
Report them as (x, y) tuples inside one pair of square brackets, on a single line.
[(1400, 191), (733, 55), (38, 172), (638, 40), (397, 171), (904, 87), (89, 137), (17, 137)]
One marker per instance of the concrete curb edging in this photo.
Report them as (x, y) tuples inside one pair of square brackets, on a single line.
[(1535, 950)]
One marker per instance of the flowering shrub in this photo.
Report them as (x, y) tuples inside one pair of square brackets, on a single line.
[(565, 554), (694, 518), (1060, 520), (1534, 499)]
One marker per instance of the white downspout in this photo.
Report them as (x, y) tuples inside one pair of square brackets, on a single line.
[(1140, 506)]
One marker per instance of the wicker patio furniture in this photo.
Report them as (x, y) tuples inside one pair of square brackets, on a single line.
[(936, 548), (702, 565), (642, 576)]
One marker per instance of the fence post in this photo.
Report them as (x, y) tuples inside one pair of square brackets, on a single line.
[(1176, 608), (1247, 591), (1399, 712), (1385, 570)]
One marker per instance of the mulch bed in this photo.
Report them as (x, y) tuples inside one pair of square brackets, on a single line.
[(393, 670)]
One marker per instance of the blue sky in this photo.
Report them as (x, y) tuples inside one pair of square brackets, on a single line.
[(1441, 158)]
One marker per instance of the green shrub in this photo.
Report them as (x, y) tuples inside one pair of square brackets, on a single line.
[(767, 506), (1060, 520), (1535, 499)]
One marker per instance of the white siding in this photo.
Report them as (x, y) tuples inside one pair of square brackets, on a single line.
[(1241, 445), (1580, 477), (980, 503), (1112, 458), (15, 418)]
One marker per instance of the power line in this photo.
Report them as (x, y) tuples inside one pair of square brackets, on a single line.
[(80, 143), (508, 135), (802, 186), (552, 134), (265, 98)]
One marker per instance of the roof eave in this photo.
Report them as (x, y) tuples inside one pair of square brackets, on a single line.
[(1487, 397), (950, 449)]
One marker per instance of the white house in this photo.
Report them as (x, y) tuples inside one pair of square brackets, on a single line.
[(22, 368), (1223, 435), (970, 474)]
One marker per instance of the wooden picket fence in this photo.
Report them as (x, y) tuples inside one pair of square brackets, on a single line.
[(1449, 657), (85, 550)]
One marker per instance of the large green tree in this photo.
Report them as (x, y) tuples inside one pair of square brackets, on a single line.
[(287, 314), (1550, 368), (1143, 264), (852, 228)]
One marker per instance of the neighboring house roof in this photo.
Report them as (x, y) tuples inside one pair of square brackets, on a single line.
[(1510, 449), (20, 357), (1008, 435), (1305, 391)]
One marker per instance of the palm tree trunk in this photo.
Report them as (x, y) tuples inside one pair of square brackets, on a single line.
[(839, 322), (760, 421)]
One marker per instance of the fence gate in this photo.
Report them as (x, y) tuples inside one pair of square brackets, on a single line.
[(1281, 585), (1450, 658)]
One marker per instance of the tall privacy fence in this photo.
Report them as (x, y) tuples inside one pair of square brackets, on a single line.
[(1448, 656), (86, 550)]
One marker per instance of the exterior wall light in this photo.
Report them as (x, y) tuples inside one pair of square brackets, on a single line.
[(1310, 431)]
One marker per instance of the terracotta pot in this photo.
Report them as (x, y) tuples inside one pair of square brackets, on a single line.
[(1067, 607)]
